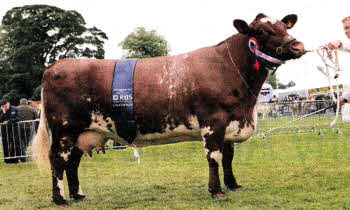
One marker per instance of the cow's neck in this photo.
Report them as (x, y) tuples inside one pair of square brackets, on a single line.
[(237, 53)]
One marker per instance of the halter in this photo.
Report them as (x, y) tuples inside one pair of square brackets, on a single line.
[(270, 63), (267, 61)]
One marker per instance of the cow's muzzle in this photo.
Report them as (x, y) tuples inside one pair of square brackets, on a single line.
[(297, 48), (290, 44)]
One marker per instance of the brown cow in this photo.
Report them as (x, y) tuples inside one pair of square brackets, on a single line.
[(211, 92)]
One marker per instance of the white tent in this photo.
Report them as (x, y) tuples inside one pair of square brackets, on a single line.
[(291, 94)]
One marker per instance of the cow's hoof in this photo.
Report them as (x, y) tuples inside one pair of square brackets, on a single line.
[(219, 195), (60, 202), (235, 188), (78, 197)]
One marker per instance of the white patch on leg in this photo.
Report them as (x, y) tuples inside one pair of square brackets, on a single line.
[(217, 156), (80, 192), (65, 155), (205, 131), (61, 187), (206, 151)]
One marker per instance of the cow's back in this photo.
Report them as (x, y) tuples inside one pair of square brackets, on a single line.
[(78, 92)]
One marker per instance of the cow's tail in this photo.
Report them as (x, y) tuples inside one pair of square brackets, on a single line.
[(41, 142)]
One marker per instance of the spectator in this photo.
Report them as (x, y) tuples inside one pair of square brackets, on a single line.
[(28, 113), (36, 105), (342, 45), (9, 117)]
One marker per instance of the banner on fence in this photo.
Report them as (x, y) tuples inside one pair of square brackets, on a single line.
[(324, 90)]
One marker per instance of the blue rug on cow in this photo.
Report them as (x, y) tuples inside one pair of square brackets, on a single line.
[(123, 113)]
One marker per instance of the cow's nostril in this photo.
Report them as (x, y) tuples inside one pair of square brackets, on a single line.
[(298, 48), (295, 49)]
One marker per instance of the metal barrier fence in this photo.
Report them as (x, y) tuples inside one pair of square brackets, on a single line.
[(287, 118), (15, 141)]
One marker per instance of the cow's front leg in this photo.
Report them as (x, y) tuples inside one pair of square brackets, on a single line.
[(229, 178), (213, 144), (75, 191)]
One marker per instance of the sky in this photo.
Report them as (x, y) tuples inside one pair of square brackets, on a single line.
[(191, 24)]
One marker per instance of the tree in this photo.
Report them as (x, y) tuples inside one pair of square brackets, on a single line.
[(271, 79), (144, 44), (35, 36), (285, 86)]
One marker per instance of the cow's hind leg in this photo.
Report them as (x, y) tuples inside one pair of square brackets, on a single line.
[(57, 167), (61, 157), (229, 178), (75, 191)]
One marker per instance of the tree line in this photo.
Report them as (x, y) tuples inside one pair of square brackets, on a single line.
[(33, 37)]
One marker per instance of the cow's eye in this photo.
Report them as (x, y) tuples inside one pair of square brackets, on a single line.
[(270, 33), (259, 32)]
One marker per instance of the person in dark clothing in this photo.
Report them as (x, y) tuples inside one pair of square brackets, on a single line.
[(28, 112), (9, 116), (27, 124)]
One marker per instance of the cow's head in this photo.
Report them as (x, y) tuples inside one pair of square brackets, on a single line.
[(272, 36)]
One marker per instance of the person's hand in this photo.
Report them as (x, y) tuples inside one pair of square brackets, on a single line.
[(341, 102), (3, 109), (5, 123), (334, 45)]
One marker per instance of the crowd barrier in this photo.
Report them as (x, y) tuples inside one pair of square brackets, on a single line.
[(15, 141), (297, 117)]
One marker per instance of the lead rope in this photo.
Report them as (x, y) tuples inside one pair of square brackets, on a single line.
[(239, 73), (332, 56), (288, 123), (235, 67), (322, 51)]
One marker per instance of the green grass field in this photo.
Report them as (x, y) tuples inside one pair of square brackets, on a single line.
[(294, 171)]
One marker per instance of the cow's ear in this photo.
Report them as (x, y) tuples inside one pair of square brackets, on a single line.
[(259, 16), (290, 20), (241, 26)]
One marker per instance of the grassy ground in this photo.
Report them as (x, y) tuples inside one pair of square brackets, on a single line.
[(295, 171)]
